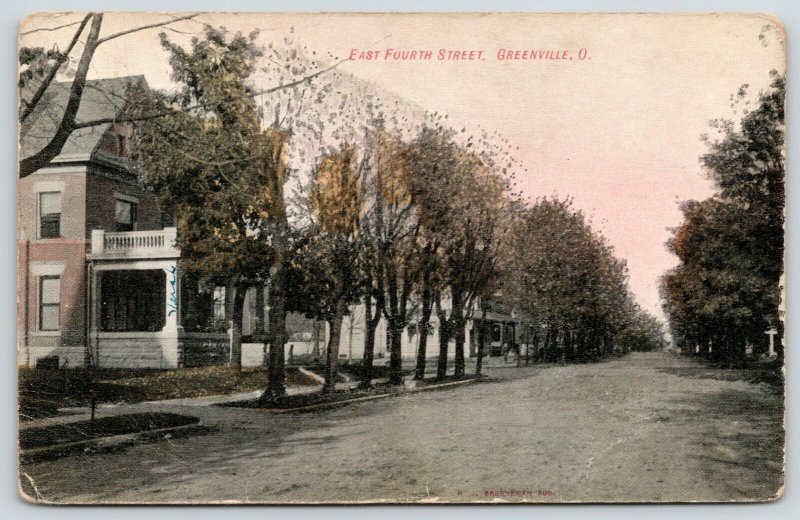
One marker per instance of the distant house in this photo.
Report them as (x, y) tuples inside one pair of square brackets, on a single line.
[(99, 277), (502, 332)]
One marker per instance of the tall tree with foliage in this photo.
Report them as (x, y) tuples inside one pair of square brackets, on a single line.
[(329, 256), (725, 292), (392, 227), (219, 172), (460, 205), (565, 278)]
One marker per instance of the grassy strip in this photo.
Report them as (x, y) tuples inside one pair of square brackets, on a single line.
[(40, 437), (42, 391)]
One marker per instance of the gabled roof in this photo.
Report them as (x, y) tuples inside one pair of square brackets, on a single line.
[(101, 99)]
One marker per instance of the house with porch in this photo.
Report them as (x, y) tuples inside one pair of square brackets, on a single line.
[(502, 332), (97, 259)]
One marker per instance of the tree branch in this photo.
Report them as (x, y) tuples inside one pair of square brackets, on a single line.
[(49, 29), (54, 70), (299, 81), (40, 159), (105, 120), (124, 119), (67, 125), (143, 27)]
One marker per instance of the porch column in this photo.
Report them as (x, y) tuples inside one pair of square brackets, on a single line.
[(172, 309), (171, 331), (94, 315)]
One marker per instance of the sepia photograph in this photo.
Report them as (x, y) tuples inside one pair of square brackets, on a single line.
[(400, 258)]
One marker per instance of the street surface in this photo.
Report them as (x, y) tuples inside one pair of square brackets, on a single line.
[(645, 427)]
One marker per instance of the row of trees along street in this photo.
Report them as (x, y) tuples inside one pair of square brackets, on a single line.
[(725, 293), (332, 194)]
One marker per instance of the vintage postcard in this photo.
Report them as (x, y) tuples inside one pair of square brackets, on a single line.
[(400, 258)]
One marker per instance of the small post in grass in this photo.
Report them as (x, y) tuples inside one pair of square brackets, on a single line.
[(92, 402)]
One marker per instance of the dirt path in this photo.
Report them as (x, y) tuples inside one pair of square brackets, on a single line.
[(647, 427)]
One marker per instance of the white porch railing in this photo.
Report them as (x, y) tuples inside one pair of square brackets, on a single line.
[(160, 243)]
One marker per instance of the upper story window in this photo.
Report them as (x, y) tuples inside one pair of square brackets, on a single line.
[(50, 214), (124, 215), (123, 145)]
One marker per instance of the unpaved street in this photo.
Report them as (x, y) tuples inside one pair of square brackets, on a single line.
[(646, 427)]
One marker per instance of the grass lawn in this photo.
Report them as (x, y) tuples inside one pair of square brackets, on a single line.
[(43, 391)]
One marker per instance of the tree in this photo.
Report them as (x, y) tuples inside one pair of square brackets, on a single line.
[(460, 204), (725, 291), (217, 170), (331, 280), (564, 277), (719, 286), (391, 225)]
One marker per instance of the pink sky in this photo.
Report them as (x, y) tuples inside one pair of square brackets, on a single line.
[(618, 131)]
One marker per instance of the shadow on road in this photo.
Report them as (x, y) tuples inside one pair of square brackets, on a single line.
[(769, 376), (740, 437)]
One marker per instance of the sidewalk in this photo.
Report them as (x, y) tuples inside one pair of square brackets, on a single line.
[(83, 413)]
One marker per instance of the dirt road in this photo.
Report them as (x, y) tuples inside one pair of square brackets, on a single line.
[(646, 427)]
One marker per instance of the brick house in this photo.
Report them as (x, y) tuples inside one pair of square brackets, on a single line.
[(91, 240)]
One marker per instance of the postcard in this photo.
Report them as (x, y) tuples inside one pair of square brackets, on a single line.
[(400, 258)]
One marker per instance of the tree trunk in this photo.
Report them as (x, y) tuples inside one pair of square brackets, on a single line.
[(419, 374), (548, 345), (332, 356), (459, 324), (276, 385), (741, 350), (444, 340), (370, 324), (395, 353), (482, 342), (237, 315), (424, 326)]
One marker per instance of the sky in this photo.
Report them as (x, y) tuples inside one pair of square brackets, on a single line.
[(617, 127)]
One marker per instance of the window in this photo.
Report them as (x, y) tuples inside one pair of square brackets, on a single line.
[(123, 146), (49, 302), (50, 214), (496, 335), (124, 216)]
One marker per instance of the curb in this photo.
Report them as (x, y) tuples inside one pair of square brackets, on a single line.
[(344, 402), (103, 444)]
